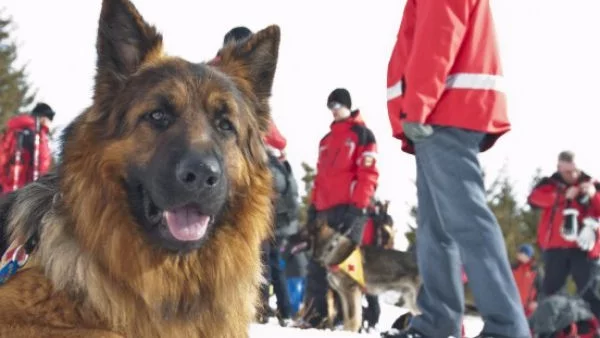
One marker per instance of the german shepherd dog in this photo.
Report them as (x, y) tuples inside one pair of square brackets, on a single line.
[(152, 223), (384, 270)]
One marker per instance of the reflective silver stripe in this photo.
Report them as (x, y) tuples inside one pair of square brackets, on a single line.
[(459, 81), (475, 81), (394, 91)]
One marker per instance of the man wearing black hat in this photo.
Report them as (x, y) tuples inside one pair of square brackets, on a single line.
[(345, 182)]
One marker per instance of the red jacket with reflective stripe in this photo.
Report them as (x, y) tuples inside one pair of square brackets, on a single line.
[(346, 169), (445, 69), (549, 196)]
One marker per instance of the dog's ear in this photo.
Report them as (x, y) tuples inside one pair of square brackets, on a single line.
[(124, 42), (254, 62)]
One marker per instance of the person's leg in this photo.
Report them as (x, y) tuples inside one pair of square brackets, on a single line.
[(457, 216), (279, 282), (556, 270), (263, 309), (583, 271), (315, 301), (373, 310), (440, 297)]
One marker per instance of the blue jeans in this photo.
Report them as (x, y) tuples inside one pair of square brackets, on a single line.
[(455, 225)]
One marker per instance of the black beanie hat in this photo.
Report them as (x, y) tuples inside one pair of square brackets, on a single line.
[(341, 96), (43, 110), (237, 34)]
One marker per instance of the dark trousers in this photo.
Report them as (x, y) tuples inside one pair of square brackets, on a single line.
[(372, 312), (315, 299), (560, 263), (275, 275)]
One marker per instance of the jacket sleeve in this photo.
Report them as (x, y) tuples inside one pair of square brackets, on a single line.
[(543, 195), (595, 200), (366, 169), (274, 138), (439, 31)]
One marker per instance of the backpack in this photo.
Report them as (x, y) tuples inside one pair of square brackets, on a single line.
[(563, 316), (286, 205), (11, 142)]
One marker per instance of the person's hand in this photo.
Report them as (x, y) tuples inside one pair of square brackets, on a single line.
[(572, 192), (588, 188), (587, 236), (416, 131)]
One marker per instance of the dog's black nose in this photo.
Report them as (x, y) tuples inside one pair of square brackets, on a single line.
[(198, 171)]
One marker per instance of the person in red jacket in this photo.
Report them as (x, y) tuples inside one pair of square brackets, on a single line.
[(446, 104), (23, 127), (528, 278), (344, 184), (568, 229)]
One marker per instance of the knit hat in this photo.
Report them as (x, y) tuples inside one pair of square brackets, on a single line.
[(526, 249), (237, 34), (341, 96), (43, 110)]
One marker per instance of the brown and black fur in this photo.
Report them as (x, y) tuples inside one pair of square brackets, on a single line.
[(384, 270), (104, 266)]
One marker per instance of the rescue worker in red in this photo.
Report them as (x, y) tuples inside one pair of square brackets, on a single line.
[(568, 228), (446, 104), (345, 182), (24, 125), (528, 278)]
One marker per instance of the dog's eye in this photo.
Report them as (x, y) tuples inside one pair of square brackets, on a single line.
[(159, 118), (224, 124)]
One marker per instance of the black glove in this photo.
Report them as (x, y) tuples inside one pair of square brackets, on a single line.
[(351, 215)]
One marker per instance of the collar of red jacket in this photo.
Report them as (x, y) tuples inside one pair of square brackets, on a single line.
[(354, 119)]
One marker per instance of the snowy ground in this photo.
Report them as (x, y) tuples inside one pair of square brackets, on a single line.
[(389, 313)]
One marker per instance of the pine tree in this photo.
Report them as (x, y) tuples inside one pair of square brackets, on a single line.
[(15, 92), (308, 179)]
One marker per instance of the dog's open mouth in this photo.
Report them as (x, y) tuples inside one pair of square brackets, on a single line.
[(180, 224), (187, 223)]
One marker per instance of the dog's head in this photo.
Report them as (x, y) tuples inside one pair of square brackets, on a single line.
[(177, 142)]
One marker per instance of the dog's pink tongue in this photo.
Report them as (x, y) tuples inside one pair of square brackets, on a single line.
[(186, 224)]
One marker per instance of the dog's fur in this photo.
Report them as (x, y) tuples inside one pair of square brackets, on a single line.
[(384, 270), (105, 266)]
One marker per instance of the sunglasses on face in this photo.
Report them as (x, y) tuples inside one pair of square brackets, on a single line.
[(334, 105)]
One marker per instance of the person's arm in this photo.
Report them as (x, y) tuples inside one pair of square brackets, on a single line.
[(366, 168), (438, 34), (544, 194)]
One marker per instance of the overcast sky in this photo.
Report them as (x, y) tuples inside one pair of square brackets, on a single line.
[(550, 54)]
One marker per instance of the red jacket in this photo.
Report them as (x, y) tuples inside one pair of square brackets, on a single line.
[(445, 69), (7, 153), (549, 195), (346, 169), (274, 138), (528, 283)]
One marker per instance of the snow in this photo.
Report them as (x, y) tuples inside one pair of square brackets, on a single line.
[(389, 313)]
